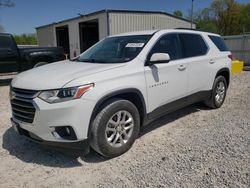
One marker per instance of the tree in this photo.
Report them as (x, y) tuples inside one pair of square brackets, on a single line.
[(178, 13), (29, 39), (226, 17), (205, 20), (245, 12)]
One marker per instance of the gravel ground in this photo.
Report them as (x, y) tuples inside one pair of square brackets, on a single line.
[(193, 147)]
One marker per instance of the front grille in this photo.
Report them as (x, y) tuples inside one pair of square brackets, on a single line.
[(21, 104)]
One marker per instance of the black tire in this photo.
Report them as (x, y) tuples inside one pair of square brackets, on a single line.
[(40, 64), (212, 102), (98, 138)]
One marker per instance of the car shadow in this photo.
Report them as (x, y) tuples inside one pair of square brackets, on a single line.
[(5, 81), (31, 152), (166, 119)]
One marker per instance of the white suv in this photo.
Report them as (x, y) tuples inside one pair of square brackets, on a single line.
[(101, 98)]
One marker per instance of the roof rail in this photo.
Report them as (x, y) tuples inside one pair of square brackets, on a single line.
[(186, 28)]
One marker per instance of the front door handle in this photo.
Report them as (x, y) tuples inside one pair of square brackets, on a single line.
[(182, 68), (211, 61)]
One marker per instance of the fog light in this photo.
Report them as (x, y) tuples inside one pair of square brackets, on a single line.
[(65, 132)]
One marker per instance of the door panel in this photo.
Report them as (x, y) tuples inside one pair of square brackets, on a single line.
[(62, 38), (166, 82), (198, 62), (200, 75), (8, 54), (89, 34)]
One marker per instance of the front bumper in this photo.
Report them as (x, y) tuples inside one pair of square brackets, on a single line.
[(51, 120), (79, 145), (75, 114)]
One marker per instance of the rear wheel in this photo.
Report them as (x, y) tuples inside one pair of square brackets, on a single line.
[(115, 128), (218, 93)]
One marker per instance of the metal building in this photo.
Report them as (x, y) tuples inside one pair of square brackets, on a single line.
[(77, 34), (239, 45)]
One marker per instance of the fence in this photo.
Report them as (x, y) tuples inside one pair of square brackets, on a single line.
[(239, 45)]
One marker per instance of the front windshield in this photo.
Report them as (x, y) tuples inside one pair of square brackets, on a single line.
[(115, 49)]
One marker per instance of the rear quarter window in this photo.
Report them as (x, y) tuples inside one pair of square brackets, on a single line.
[(6, 42), (219, 43), (193, 45)]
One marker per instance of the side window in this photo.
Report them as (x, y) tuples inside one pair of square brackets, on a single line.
[(193, 45), (6, 43), (219, 43), (168, 44)]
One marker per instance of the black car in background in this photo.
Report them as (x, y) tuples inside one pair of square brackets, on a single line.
[(15, 59)]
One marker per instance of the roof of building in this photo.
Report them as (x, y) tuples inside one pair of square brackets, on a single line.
[(143, 32), (115, 11), (178, 30)]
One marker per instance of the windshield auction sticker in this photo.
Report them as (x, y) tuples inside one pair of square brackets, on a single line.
[(134, 45)]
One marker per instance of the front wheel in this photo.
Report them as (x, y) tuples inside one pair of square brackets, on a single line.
[(218, 93), (115, 128)]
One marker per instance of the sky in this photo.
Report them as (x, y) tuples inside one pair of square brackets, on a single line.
[(28, 14)]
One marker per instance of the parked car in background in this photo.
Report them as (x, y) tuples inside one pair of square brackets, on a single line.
[(101, 98), (15, 59)]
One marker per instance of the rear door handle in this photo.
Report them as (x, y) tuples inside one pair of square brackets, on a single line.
[(182, 68)]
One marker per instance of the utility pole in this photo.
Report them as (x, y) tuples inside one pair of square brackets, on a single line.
[(192, 13)]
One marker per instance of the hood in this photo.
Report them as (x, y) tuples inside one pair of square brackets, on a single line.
[(56, 75)]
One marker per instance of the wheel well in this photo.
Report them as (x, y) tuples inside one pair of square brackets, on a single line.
[(134, 97), (136, 100), (225, 74)]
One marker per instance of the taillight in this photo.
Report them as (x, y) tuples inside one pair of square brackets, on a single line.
[(231, 56)]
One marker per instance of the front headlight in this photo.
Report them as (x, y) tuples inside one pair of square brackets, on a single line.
[(64, 94)]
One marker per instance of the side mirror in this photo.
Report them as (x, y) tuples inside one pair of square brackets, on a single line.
[(159, 58)]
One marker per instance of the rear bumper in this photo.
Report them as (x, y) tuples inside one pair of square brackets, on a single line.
[(79, 145)]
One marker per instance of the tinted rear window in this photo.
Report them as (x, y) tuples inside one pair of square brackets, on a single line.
[(219, 42), (6, 42), (193, 45)]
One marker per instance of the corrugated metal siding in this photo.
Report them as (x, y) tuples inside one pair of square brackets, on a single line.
[(121, 22), (45, 36), (239, 45)]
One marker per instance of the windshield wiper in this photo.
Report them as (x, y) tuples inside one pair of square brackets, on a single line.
[(92, 61), (75, 59)]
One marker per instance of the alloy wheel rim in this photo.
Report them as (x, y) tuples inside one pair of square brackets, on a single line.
[(119, 128), (220, 92)]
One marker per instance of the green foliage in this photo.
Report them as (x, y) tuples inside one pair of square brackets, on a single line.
[(205, 20), (245, 12), (226, 17), (178, 13), (29, 39)]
